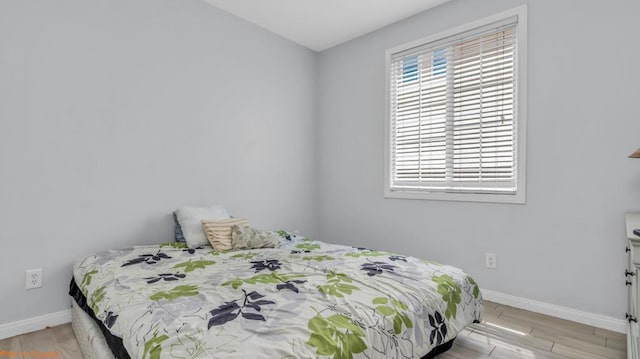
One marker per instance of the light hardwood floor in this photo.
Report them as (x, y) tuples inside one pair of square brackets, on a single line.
[(506, 333), (57, 342), (511, 333)]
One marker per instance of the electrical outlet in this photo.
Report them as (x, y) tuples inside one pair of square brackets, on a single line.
[(33, 278), (490, 260)]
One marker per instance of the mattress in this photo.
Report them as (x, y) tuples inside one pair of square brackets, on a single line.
[(88, 335), (304, 298)]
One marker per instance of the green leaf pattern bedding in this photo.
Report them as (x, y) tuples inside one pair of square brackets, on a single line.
[(303, 299)]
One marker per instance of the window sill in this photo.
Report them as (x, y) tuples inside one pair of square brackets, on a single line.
[(517, 198)]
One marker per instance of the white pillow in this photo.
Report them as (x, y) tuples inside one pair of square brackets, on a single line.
[(190, 219)]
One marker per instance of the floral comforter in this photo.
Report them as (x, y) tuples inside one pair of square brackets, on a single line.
[(303, 299)]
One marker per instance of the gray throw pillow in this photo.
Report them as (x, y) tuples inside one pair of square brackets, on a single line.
[(245, 237), (178, 230)]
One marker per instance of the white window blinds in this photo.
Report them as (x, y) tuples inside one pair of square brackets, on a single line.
[(452, 113)]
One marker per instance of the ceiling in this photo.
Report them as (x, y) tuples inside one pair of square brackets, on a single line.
[(321, 24)]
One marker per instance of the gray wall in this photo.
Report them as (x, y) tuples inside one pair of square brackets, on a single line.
[(566, 244), (113, 113)]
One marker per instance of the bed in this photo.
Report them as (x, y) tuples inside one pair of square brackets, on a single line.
[(301, 299)]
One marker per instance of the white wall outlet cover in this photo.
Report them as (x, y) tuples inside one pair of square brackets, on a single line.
[(490, 260), (33, 278)]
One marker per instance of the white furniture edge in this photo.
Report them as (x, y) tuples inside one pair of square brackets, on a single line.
[(597, 320), (29, 325), (574, 315)]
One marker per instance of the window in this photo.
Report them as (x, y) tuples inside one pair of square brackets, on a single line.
[(456, 113)]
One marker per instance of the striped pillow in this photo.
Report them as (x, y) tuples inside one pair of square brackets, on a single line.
[(219, 232)]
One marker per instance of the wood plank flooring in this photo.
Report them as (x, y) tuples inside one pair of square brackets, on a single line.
[(512, 333), (506, 333), (57, 342)]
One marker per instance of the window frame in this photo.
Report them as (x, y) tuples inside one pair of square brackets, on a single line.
[(520, 111)]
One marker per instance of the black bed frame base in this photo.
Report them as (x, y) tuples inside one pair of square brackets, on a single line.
[(439, 349)]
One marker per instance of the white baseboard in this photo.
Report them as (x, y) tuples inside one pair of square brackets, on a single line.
[(574, 315), (29, 325)]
